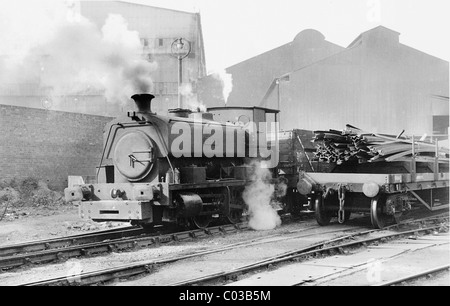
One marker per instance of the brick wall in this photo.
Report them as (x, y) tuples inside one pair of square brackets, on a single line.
[(49, 145)]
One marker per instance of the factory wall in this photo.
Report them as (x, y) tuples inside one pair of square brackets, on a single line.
[(377, 84), (49, 145), (255, 77)]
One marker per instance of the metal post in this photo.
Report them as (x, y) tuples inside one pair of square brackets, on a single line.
[(413, 160), (436, 161), (279, 99), (180, 81), (180, 48)]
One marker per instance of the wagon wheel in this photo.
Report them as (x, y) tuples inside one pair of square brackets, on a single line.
[(323, 217), (378, 218), (202, 221), (235, 216)]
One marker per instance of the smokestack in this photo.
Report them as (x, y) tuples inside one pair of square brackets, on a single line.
[(143, 102)]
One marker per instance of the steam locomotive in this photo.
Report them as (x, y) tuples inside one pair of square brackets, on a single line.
[(156, 169), (190, 168)]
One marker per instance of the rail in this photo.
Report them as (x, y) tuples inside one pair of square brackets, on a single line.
[(327, 247)]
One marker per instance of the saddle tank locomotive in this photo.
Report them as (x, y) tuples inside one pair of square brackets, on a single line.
[(142, 180)]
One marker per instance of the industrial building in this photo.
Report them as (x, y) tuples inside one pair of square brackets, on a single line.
[(158, 28), (377, 84)]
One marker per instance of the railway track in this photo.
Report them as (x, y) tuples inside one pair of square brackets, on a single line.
[(57, 243), (398, 262), (414, 276), (331, 247), (328, 247), (127, 271), (93, 244)]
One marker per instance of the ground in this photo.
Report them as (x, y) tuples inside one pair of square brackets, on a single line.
[(30, 210), (35, 223)]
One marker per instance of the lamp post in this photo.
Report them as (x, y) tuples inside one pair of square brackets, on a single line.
[(278, 81), (180, 49)]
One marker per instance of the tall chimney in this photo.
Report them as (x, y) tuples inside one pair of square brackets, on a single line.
[(143, 102)]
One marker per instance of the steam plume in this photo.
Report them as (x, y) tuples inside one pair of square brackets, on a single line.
[(259, 198), (190, 99), (226, 81), (70, 56)]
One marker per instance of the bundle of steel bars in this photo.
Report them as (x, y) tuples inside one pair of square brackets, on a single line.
[(353, 144)]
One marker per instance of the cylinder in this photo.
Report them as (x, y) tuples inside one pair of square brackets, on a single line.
[(190, 204)]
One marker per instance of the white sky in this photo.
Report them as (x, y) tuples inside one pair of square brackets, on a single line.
[(235, 30)]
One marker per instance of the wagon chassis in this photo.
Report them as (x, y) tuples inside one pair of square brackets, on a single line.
[(385, 196)]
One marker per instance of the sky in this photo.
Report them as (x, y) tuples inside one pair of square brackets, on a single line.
[(236, 30)]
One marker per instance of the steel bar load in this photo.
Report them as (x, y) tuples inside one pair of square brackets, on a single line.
[(354, 144)]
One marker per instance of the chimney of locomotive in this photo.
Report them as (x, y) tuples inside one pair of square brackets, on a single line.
[(143, 102)]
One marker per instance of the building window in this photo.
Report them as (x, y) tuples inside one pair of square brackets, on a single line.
[(144, 42)]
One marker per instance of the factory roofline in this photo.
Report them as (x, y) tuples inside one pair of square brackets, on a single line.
[(352, 45), (371, 30)]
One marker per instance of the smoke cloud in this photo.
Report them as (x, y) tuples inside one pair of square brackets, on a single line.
[(190, 99), (226, 80), (67, 54), (259, 196)]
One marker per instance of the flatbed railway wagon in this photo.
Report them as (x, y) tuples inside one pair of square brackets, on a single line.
[(387, 189)]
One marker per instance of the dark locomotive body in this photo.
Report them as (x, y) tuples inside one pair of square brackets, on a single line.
[(143, 179)]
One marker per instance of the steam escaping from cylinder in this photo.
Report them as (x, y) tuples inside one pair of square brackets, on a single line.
[(259, 197)]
